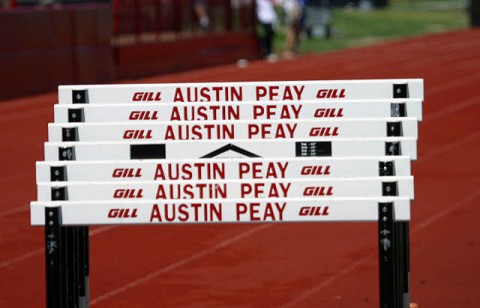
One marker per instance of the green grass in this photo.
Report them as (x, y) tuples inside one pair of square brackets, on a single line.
[(402, 18)]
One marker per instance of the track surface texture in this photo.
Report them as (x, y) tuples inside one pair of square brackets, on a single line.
[(277, 265)]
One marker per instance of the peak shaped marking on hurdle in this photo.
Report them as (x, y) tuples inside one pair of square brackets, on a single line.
[(222, 152)]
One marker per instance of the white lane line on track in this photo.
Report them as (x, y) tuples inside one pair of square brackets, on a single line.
[(14, 210), (434, 115), (452, 84), (317, 288), (14, 177), (33, 113), (179, 263), (41, 250), (448, 147), (22, 257), (14, 105)]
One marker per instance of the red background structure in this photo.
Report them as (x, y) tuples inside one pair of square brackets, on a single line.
[(98, 43), (277, 265)]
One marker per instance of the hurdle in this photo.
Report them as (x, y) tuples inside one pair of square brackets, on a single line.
[(264, 110), (239, 152), (206, 169), (226, 130), (243, 91)]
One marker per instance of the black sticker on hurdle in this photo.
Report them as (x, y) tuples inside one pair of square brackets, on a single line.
[(59, 193), (76, 115), (313, 149), (400, 90), (389, 189), (147, 151), (79, 96), (69, 133), (394, 129), (386, 168), (398, 110), (393, 148), (66, 153), (58, 173)]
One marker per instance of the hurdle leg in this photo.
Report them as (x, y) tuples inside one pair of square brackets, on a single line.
[(394, 259), (388, 283), (405, 262), (83, 267), (53, 257), (70, 268)]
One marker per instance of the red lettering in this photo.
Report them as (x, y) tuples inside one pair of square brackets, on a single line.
[(315, 170), (314, 211), (128, 193), (143, 115), (318, 191), (137, 96), (113, 213), (137, 134), (147, 96), (260, 92), (122, 213), (324, 132), (275, 93), (328, 113), (127, 173), (331, 93)]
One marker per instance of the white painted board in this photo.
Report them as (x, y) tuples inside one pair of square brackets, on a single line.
[(265, 110), (227, 189), (321, 90), (91, 151), (207, 169), (231, 130), (219, 211)]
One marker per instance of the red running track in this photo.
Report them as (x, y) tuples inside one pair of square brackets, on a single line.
[(281, 265)]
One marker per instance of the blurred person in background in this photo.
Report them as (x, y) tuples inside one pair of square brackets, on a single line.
[(294, 16), (202, 16), (5, 4), (267, 17), (474, 8)]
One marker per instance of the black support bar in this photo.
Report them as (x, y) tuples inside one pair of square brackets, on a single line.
[(53, 253), (394, 258), (386, 255), (84, 271)]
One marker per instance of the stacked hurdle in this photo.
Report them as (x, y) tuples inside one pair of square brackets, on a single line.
[(299, 151)]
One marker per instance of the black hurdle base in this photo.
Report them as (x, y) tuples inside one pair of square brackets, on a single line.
[(394, 259), (67, 262)]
